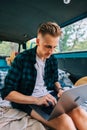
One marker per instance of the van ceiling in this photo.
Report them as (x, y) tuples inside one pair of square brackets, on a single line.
[(19, 19)]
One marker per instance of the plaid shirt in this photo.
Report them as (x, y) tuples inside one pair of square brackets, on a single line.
[(22, 74)]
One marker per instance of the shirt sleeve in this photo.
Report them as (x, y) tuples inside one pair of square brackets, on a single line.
[(13, 77)]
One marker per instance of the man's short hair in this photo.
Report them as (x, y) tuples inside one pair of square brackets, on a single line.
[(51, 28)]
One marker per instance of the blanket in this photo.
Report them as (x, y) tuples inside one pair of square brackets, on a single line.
[(13, 119)]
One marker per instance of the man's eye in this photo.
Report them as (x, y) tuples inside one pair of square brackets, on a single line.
[(49, 47), (54, 47)]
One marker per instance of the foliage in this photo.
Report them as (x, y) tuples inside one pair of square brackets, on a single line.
[(74, 37), (6, 48)]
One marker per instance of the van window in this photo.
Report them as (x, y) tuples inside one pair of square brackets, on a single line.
[(31, 43), (6, 48), (74, 37)]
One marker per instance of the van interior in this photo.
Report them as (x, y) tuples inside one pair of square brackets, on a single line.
[(19, 20)]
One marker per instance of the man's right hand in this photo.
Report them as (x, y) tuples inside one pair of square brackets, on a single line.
[(46, 99)]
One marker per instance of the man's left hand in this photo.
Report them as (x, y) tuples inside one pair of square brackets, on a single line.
[(60, 93)]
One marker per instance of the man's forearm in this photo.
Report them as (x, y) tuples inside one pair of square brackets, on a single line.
[(17, 97)]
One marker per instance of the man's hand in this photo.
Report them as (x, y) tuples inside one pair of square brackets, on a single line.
[(59, 89), (60, 92), (46, 99)]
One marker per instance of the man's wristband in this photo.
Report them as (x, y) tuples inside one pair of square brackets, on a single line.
[(59, 89)]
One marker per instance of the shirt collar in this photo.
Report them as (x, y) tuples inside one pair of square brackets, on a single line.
[(33, 55)]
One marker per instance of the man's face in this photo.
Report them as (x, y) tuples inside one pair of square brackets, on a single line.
[(46, 44)]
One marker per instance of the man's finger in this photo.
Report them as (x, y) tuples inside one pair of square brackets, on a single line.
[(50, 100), (53, 98)]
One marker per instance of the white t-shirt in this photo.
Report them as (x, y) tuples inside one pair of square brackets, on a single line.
[(40, 88)]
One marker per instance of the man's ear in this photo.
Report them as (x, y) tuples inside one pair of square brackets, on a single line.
[(37, 41)]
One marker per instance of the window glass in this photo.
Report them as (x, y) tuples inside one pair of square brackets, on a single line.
[(31, 43), (6, 48), (74, 37)]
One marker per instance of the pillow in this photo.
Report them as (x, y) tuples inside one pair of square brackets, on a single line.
[(64, 79), (2, 77)]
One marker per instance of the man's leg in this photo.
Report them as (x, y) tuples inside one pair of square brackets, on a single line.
[(79, 117), (63, 122)]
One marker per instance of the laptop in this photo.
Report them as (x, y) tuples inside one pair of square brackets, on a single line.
[(69, 100)]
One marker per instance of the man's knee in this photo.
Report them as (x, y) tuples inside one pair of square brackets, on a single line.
[(65, 118), (63, 122), (78, 112), (67, 122)]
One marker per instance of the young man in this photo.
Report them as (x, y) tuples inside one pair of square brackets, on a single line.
[(33, 74)]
